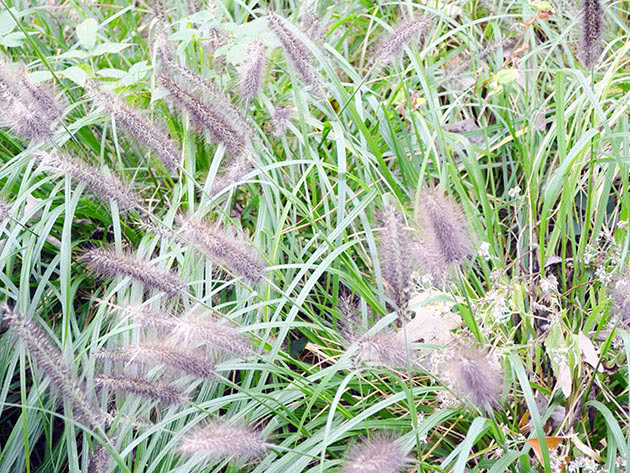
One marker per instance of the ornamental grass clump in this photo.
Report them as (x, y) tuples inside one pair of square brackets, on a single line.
[(104, 187), (379, 454), (29, 110), (49, 359), (109, 263), (219, 440)]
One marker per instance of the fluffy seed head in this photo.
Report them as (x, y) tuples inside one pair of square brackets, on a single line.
[(621, 297), (398, 253), (199, 87), (380, 454), (30, 110), (296, 51), (5, 210), (50, 361), (225, 247), (591, 42), (444, 228), (193, 329), (99, 460), (392, 44), (281, 118), (162, 354), (104, 188), (473, 375), (253, 70), (218, 440), (161, 392), (144, 130), (386, 349), (209, 117), (107, 262), (233, 174)]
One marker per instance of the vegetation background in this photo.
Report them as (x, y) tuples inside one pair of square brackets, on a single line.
[(362, 353)]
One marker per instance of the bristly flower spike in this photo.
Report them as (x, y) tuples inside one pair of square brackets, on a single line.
[(296, 50), (225, 247), (98, 184), (473, 375), (281, 117), (209, 117), (161, 392), (5, 210), (379, 454), (50, 361), (194, 328), (445, 230), (144, 130), (109, 263), (621, 297), (162, 354), (253, 70), (30, 110), (392, 45), (398, 254), (219, 440), (233, 174), (591, 42)]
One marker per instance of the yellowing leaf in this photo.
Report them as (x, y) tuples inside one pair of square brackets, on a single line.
[(434, 319), (552, 444), (588, 351)]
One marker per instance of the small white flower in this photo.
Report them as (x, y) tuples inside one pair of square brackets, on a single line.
[(549, 284), (484, 250), (514, 192)]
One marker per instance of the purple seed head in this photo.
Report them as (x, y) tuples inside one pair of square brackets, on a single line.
[(379, 454), (163, 393), (30, 110), (194, 329), (233, 174), (592, 24), (393, 43), (445, 230), (209, 117), (282, 115), (219, 440), (398, 254), (225, 247), (172, 357), (50, 361), (5, 210), (107, 262), (296, 51), (146, 131), (104, 188), (473, 375), (253, 70)]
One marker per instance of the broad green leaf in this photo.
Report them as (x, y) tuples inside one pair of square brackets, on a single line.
[(109, 48), (76, 75), (86, 33)]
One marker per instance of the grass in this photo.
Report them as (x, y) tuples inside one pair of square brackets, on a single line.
[(541, 177)]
